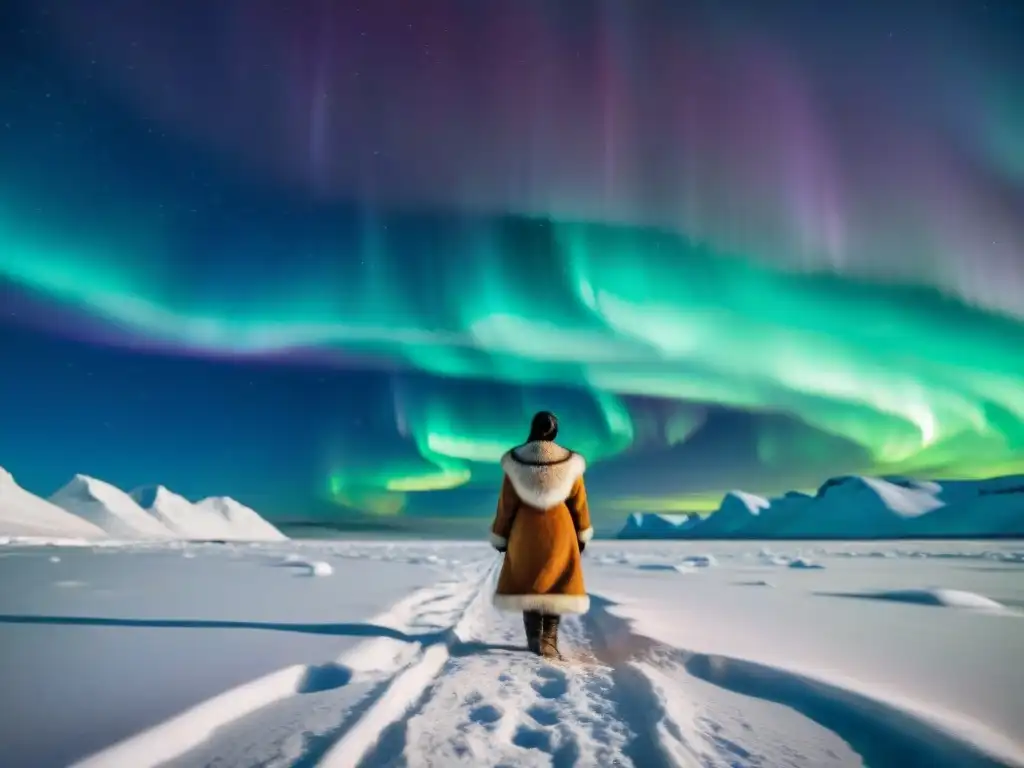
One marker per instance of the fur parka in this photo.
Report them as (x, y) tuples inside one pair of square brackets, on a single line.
[(541, 520)]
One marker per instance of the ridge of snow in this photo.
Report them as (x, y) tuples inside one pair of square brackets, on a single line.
[(109, 508), (24, 514)]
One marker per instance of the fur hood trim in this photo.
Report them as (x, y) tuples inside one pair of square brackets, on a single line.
[(543, 472)]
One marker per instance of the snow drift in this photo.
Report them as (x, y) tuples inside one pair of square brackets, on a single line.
[(855, 507), (87, 508)]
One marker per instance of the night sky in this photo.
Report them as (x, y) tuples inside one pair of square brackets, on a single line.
[(329, 257)]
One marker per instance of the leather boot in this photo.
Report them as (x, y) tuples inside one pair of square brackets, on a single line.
[(549, 637), (532, 625)]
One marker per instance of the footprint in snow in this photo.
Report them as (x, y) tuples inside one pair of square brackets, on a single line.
[(530, 738), (553, 684), (550, 673), (543, 714), (485, 715), (325, 677)]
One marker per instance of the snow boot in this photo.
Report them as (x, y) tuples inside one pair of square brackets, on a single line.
[(532, 625), (549, 637)]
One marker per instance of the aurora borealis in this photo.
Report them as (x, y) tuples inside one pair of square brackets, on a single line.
[(329, 258)]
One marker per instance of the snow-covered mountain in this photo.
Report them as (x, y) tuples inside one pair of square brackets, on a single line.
[(867, 505), (168, 508), (245, 522), (657, 526), (861, 507), (110, 508), (737, 511), (25, 514), (213, 518), (87, 508)]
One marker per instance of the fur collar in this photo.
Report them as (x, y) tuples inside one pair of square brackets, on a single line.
[(543, 472)]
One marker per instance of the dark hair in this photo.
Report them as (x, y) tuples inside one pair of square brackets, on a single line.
[(543, 427)]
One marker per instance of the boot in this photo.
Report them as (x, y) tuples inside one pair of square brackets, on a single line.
[(532, 625), (549, 637)]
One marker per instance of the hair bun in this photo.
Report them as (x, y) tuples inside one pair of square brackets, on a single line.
[(544, 426)]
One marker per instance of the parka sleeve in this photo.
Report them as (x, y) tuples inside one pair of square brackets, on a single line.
[(577, 503), (508, 502)]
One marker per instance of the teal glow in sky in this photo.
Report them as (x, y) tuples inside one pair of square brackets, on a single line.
[(736, 263)]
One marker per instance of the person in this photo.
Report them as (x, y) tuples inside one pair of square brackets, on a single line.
[(542, 525)]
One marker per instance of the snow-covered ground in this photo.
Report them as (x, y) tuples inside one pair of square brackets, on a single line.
[(384, 653)]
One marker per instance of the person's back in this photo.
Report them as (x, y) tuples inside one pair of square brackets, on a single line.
[(543, 525)]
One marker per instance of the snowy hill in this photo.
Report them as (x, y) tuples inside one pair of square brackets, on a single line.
[(214, 518), (997, 505), (782, 513), (170, 509), (109, 508), (852, 506), (657, 526), (243, 521), (90, 508), (25, 514), (737, 511), (862, 507)]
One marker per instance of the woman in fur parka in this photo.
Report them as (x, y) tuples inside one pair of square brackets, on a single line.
[(542, 525)]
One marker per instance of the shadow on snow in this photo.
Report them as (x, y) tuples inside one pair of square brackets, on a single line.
[(458, 646)]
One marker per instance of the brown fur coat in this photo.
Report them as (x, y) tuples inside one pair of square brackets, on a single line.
[(542, 518)]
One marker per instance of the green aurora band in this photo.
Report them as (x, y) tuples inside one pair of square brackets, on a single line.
[(921, 383)]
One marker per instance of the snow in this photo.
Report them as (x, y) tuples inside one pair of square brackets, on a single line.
[(805, 564), (218, 518), (145, 634), (947, 598), (308, 567), (700, 561), (657, 526), (131, 654), (241, 521), (87, 509), (735, 513), (857, 507), (109, 508), (24, 514)]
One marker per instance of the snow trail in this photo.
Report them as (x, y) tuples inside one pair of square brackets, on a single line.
[(446, 680), (293, 715)]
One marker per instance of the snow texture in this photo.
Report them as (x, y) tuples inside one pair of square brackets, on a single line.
[(855, 507), (225, 659)]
